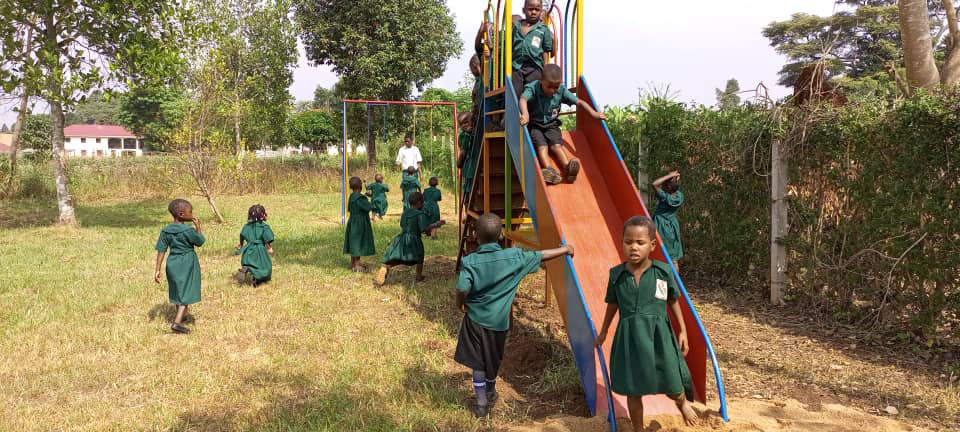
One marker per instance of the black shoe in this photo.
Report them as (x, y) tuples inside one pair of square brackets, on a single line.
[(492, 397), (178, 328), (551, 176), (481, 411)]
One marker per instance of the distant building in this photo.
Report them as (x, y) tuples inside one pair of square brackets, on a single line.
[(87, 140), (6, 140)]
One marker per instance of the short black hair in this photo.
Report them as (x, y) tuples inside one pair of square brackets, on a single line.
[(355, 183), (671, 185), (465, 117), (178, 205), (434, 181), (415, 198), (526, 2), (408, 135), (488, 228), (641, 221), (257, 213), (411, 170), (552, 73), (378, 177)]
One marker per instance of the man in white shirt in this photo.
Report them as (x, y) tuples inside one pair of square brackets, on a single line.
[(409, 155)]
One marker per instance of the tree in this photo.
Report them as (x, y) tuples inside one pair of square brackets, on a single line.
[(5, 129), (98, 108), (315, 129), (80, 46), (153, 112), (728, 97), (37, 129), (381, 50), (918, 48), (325, 99)]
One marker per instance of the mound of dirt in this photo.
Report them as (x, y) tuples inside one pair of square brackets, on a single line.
[(746, 415)]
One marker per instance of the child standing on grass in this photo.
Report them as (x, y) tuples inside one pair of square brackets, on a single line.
[(430, 197), (358, 241), (407, 247), (409, 185), (378, 196), (486, 288), (256, 246), (183, 266), (646, 358), (665, 215)]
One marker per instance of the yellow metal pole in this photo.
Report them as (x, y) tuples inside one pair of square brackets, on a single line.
[(508, 40), (579, 40)]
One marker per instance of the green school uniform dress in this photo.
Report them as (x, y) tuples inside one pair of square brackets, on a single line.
[(183, 266), (430, 197), (379, 198), (528, 49), (545, 111), (256, 235), (469, 162), (409, 185), (665, 217), (646, 357), (407, 247), (358, 240)]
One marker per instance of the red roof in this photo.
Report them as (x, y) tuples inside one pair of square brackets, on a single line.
[(96, 131), (4, 148)]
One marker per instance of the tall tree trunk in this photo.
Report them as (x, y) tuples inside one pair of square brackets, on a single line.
[(918, 44), (21, 118), (64, 198), (950, 75)]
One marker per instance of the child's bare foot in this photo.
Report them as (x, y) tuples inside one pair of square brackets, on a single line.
[(690, 416), (382, 275), (573, 168), (550, 176)]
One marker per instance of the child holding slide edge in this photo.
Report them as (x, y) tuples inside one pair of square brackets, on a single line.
[(540, 108), (358, 241), (183, 266), (646, 358), (486, 288)]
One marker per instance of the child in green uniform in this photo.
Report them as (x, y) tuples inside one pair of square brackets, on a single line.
[(430, 197), (489, 278), (256, 246), (465, 160), (183, 267), (409, 185), (407, 247), (540, 108), (646, 358), (532, 44), (377, 192), (665, 215), (358, 241)]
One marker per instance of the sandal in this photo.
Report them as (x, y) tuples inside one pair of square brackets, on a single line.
[(179, 328), (573, 168), (550, 176)]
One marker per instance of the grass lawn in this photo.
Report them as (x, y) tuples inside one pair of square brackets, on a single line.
[(86, 342)]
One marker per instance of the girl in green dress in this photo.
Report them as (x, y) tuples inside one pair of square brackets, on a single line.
[(645, 357), (409, 185), (430, 197), (256, 246), (358, 241), (183, 266), (377, 192), (665, 215), (407, 247)]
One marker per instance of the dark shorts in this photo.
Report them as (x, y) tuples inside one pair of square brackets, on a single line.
[(523, 76), (479, 348), (545, 136)]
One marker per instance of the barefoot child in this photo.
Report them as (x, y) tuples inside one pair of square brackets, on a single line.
[(540, 107), (378, 196), (430, 197), (646, 358), (665, 216), (256, 246), (407, 247), (486, 288), (409, 185), (358, 241), (183, 266)]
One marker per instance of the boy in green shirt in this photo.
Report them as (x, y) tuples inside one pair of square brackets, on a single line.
[(465, 160), (540, 108), (183, 266), (532, 44), (486, 288)]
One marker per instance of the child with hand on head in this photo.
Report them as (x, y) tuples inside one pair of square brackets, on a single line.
[(377, 191), (183, 266), (540, 109), (256, 246), (358, 241), (487, 286), (646, 358), (407, 247), (665, 215), (430, 197), (409, 185)]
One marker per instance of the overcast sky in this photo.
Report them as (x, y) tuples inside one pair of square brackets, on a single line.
[(693, 46)]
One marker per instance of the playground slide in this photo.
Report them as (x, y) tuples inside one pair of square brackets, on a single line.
[(589, 214)]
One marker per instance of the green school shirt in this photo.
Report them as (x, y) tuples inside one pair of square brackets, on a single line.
[(544, 111), (256, 236), (183, 266), (469, 162), (409, 185), (490, 277), (665, 217), (430, 207), (528, 50), (379, 198)]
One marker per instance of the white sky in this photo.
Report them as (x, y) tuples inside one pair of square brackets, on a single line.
[(693, 46)]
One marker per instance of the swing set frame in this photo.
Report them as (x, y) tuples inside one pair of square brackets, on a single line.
[(344, 159)]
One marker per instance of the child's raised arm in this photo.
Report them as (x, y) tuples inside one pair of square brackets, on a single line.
[(660, 181), (550, 254), (593, 113)]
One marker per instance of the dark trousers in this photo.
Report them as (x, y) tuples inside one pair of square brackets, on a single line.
[(523, 76)]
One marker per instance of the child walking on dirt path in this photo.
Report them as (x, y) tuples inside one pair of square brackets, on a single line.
[(358, 241), (488, 283), (407, 247), (256, 246), (183, 266), (430, 197), (377, 191), (409, 185), (646, 358), (540, 108), (670, 198)]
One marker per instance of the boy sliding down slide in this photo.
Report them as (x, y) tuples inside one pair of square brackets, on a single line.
[(540, 108)]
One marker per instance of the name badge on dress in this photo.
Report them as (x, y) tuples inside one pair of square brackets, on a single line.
[(661, 289), (535, 41)]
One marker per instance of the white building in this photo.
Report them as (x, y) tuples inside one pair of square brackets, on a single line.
[(86, 140)]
